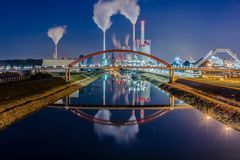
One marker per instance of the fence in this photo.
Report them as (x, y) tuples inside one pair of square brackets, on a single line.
[(13, 79)]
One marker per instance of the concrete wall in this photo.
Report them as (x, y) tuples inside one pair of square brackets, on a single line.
[(56, 63)]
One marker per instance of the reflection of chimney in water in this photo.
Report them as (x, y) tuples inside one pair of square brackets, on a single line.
[(142, 115), (133, 112)]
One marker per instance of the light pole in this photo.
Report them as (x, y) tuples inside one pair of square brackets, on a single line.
[(229, 65), (209, 67)]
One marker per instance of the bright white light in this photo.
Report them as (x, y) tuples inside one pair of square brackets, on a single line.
[(227, 128), (208, 117)]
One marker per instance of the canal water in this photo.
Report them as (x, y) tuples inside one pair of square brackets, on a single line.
[(65, 131)]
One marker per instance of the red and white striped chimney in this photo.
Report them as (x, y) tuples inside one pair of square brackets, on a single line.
[(142, 32)]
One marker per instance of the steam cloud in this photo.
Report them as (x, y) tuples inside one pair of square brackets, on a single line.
[(130, 9), (103, 11), (56, 34), (127, 40), (116, 43)]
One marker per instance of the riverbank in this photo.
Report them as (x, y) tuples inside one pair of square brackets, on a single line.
[(225, 88), (217, 107), (232, 83), (14, 110), (17, 93)]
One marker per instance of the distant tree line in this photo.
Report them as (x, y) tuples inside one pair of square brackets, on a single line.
[(21, 63)]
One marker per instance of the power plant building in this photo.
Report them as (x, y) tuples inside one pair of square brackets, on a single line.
[(128, 56), (143, 45), (56, 63)]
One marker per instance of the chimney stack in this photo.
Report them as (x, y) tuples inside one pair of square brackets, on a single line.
[(134, 38), (142, 32)]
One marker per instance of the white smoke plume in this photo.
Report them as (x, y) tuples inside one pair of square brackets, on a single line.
[(130, 9), (103, 11), (116, 43), (127, 40), (56, 34)]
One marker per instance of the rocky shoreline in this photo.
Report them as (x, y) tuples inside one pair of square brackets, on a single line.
[(25, 108), (223, 111)]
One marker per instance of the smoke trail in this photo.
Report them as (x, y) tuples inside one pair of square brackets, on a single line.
[(56, 33), (103, 11), (116, 43), (127, 40), (130, 9)]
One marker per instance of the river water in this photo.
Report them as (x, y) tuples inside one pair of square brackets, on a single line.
[(64, 132)]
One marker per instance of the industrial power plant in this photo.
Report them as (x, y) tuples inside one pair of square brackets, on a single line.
[(120, 79), (103, 11)]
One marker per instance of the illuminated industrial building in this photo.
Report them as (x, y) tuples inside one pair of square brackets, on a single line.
[(143, 45)]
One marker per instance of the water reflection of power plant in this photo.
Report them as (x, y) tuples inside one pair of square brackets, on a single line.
[(121, 122), (123, 131), (137, 91), (122, 90)]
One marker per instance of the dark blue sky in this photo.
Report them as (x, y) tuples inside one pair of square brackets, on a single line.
[(176, 27)]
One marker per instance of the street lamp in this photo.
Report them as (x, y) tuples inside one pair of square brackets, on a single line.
[(229, 65), (209, 66)]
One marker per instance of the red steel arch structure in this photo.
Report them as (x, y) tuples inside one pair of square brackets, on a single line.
[(119, 51), (112, 51), (150, 118)]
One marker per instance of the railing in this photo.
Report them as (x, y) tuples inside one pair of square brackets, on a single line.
[(13, 79)]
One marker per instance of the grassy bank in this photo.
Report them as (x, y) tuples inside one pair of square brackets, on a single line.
[(16, 109), (219, 90), (233, 83), (19, 90), (217, 107)]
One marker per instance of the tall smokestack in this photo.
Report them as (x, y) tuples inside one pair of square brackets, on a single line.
[(104, 46), (134, 38), (55, 55), (56, 35), (142, 32), (104, 41)]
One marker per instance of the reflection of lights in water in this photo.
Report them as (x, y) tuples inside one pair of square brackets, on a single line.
[(105, 77), (127, 87), (220, 130), (227, 132), (205, 121), (228, 129), (208, 118), (104, 92)]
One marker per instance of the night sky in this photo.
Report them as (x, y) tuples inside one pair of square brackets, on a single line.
[(181, 28)]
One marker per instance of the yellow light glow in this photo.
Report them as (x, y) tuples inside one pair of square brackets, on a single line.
[(227, 128), (208, 117)]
